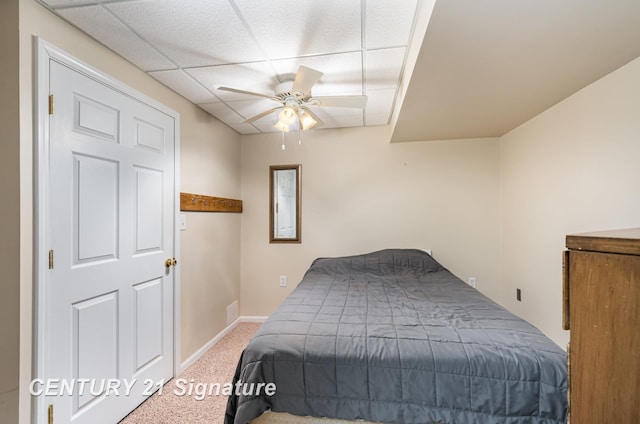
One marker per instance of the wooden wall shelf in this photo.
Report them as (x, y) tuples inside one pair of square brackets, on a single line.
[(200, 203)]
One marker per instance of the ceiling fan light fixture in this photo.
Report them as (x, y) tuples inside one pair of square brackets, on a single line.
[(307, 120), (287, 116), (282, 126), (295, 100)]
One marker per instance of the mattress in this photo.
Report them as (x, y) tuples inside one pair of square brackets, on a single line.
[(394, 337)]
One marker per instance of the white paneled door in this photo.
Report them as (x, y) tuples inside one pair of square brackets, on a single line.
[(109, 299)]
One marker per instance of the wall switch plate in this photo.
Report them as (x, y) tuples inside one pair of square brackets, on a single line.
[(472, 282), (283, 281), (183, 222)]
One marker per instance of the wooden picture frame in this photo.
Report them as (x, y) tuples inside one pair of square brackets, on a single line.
[(285, 203)]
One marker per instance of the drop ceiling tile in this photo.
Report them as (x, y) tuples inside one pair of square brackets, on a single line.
[(337, 117), (266, 127), (379, 106), (384, 68), (101, 25), (291, 28), (223, 113), (191, 32), (198, 45), (67, 3), (183, 84), (245, 128), (388, 23), (341, 72), (255, 77)]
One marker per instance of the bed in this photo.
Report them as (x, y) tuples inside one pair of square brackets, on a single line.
[(394, 337)]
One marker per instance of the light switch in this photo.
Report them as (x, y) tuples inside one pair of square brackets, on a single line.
[(183, 222)]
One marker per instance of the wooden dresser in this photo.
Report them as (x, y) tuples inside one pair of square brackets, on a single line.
[(602, 310)]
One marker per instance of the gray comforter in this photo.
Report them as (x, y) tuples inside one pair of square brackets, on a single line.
[(394, 337)]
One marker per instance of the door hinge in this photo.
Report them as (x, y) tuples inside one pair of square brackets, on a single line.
[(50, 415), (51, 104), (50, 259)]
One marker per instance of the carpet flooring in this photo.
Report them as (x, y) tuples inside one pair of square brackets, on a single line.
[(215, 367)]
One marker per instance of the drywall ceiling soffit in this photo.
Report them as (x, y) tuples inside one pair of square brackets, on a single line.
[(194, 46), (487, 66)]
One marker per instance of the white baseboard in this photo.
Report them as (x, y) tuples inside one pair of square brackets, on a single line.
[(198, 353), (253, 319), (193, 358)]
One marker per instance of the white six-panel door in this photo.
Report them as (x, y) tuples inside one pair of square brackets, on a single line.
[(109, 297)]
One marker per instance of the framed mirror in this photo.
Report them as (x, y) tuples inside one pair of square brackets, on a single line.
[(284, 204)]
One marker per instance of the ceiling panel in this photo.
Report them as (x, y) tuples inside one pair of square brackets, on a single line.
[(101, 25), (223, 113), (292, 28), (383, 68), (338, 117), (59, 3), (194, 46), (379, 105), (245, 128), (185, 85), (265, 127), (389, 23), (191, 32)]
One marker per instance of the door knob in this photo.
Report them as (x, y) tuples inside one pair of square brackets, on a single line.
[(170, 262)]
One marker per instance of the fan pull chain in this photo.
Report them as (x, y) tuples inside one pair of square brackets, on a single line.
[(283, 146)]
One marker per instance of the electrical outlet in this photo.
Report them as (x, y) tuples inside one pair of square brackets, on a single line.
[(519, 295), (472, 281), (283, 281)]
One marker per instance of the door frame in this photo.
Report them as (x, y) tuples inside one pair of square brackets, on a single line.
[(44, 52)]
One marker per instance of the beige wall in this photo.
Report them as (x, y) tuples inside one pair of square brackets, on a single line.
[(210, 164), (574, 168), (359, 194), (9, 211), (210, 269)]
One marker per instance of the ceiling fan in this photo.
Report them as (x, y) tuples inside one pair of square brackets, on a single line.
[(295, 99)]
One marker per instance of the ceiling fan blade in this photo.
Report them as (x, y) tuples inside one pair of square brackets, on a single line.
[(237, 90), (261, 115), (341, 101), (305, 79)]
